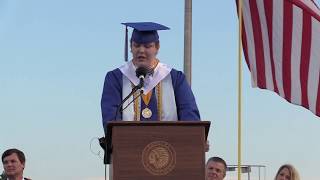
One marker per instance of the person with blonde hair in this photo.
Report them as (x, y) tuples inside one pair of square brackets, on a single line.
[(287, 172)]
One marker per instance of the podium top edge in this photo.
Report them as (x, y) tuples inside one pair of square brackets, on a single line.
[(111, 124), (159, 123)]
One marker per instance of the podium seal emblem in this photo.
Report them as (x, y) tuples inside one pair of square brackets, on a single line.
[(159, 158)]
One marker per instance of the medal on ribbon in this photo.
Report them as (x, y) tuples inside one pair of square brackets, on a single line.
[(146, 113)]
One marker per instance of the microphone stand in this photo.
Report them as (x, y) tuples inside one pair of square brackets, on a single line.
[(141, 73), (141, 92), (103, 141), (125, 99)]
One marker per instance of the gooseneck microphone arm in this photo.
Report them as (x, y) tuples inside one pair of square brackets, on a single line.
[(141, 73), (124, 100), (141, 92)]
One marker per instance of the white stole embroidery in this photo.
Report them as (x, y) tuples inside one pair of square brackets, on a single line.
[(151, 81), (161, 73)]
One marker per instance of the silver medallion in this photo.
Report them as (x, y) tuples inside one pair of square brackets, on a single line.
[(146, 113)]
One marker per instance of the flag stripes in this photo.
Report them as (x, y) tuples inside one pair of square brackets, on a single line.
[(281, 43)]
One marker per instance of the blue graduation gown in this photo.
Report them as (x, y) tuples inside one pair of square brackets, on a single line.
[(112, 97)]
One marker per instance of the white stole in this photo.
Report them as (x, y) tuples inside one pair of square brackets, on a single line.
[(161, 73)]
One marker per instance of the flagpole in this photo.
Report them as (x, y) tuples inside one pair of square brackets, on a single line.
[(239, 86), (188, 39)]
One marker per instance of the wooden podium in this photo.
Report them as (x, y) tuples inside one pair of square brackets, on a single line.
[(157, 150)]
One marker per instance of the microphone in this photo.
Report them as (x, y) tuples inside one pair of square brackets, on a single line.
[(141, 73)]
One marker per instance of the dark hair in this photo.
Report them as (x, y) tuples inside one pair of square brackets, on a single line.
[(19, 153), (218, 159)]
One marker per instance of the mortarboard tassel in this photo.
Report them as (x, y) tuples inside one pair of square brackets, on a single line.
[(126, 46)]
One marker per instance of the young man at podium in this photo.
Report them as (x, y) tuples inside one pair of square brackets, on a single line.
[(144, 89)]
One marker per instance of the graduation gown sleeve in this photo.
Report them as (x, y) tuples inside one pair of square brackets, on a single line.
[(186, 105), (111, 96)]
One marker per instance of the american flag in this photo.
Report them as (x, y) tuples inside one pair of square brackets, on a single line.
[(281, 43)]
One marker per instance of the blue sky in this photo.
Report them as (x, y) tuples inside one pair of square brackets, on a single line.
[(53, 59)]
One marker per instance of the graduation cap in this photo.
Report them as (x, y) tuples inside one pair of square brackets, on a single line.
[(143, 33)]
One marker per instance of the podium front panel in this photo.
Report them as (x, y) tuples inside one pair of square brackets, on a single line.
[(158, 153)]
